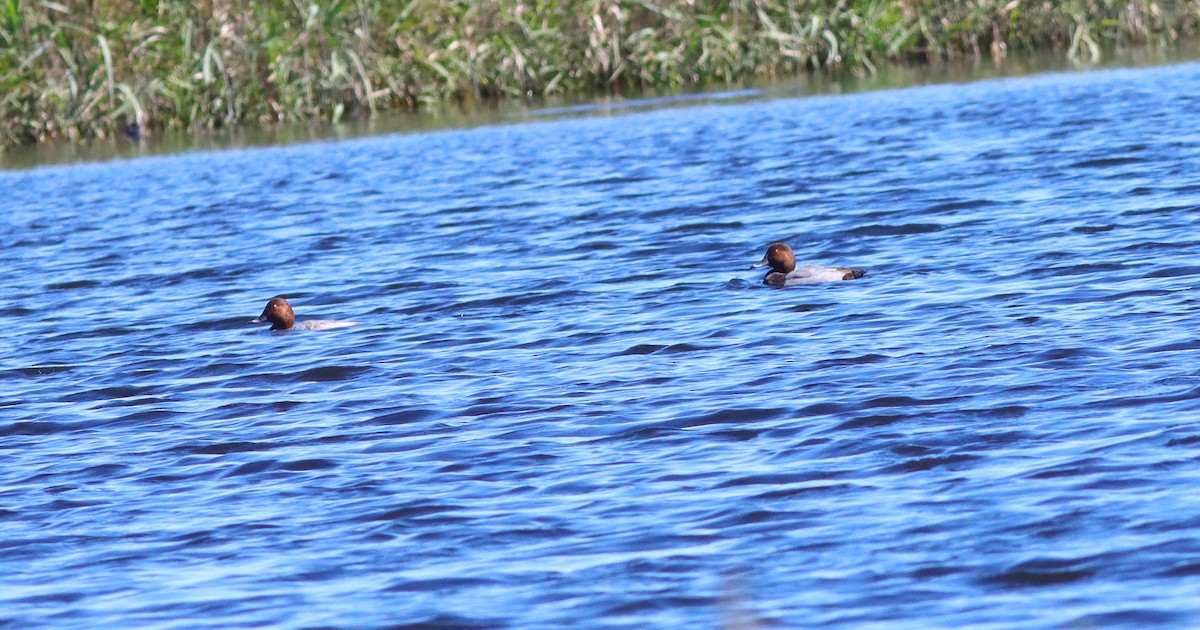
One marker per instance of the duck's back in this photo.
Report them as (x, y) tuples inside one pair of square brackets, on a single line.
[(811, 274), (322, 324)]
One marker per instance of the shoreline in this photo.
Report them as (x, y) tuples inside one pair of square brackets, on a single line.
[(447, 116), (95, 69)]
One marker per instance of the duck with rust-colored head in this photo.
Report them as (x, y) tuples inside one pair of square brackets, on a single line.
[(281, 316), (785, 274)]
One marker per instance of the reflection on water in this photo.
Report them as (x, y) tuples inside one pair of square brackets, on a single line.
[(472, 114)]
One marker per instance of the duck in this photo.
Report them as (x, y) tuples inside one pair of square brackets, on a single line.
[(785, 274), (279, 312)]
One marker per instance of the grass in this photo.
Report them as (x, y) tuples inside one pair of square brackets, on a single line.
[(86, 68)]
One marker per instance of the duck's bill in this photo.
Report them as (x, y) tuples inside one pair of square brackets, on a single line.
[(761, 263), (258, 320)]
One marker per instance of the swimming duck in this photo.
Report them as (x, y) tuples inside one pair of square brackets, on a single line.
[(784, 273), (281, 316)]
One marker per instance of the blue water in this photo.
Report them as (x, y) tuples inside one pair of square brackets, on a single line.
[(571, 403)]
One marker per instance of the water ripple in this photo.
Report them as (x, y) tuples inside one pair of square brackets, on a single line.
[(570, 402)]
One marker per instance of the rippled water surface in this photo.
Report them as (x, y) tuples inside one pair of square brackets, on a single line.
[(571, 402)]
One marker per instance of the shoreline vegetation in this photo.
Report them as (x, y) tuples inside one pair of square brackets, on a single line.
[(79, 69)]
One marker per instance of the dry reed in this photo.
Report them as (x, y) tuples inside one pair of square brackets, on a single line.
[(90, 68)]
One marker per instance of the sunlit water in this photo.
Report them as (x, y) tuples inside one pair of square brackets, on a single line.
[(571, 403)]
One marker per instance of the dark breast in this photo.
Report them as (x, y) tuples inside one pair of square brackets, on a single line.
[(775, 279)]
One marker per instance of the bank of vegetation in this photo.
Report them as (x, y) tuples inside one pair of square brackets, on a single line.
[(89, 68)]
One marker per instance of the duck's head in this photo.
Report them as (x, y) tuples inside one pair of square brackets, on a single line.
[(779, 257), (279, 313)]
